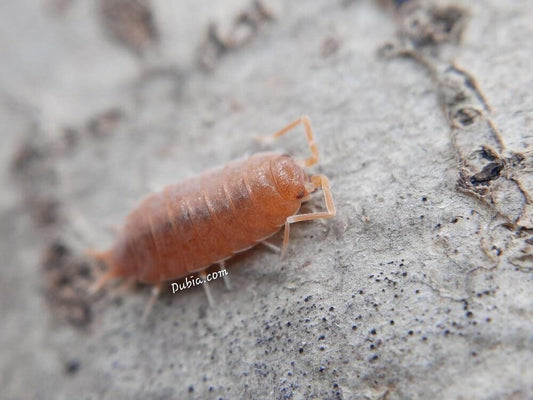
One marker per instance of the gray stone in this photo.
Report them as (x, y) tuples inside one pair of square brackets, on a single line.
[(419, 288)]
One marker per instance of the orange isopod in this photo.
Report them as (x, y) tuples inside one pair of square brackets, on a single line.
[(204, 220)]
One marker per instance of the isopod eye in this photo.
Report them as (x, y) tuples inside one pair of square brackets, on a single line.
[(300, 195)]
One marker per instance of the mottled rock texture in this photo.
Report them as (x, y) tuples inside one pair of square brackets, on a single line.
[(419, 288)]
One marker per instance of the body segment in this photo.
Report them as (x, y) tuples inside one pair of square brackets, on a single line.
[(206, 219)]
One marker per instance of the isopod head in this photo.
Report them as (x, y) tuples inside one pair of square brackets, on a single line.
[(290, 178)]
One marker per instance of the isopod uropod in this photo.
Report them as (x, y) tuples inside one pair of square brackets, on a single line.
[(206, 219)]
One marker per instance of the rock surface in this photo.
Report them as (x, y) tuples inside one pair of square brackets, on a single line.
[(419, 288)]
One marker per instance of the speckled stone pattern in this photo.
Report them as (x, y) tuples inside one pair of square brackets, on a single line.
[(419, 288)]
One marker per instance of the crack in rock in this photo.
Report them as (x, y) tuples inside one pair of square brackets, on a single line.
[(501, 178)]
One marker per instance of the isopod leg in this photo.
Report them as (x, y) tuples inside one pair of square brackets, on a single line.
[(102, 280), (271, 246), (156, 290), (206, 288), (313, 159), (317, 181), (222, 268)]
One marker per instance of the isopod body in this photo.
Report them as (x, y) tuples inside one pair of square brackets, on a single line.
[(204, 220)]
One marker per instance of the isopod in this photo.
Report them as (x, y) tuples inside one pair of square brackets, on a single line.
[(204, 220)]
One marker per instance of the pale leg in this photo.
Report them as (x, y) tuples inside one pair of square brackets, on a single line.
[(156, 290), (227, 282), (317, 181), (313, 159), (102, 280), (271, 246), (206, 288)]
